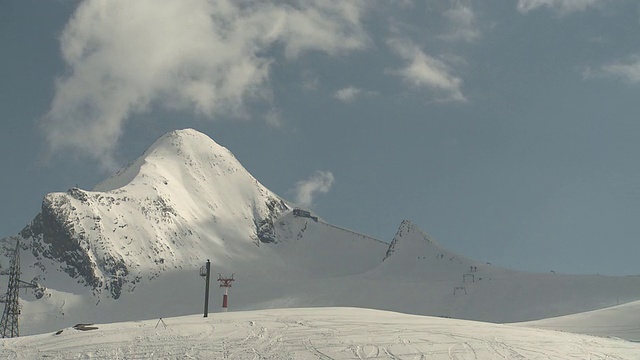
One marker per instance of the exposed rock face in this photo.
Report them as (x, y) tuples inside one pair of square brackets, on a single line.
[(265, 230), (57, 233), (63, 243), (406, 229)]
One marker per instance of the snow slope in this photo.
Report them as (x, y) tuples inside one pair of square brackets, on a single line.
[(491, 293), (419, 276), (622, 321), (328, 333), (131, 248)]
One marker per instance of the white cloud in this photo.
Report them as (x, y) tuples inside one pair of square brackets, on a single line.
[(423, 70), (347, 94), (318, 182), (208, 56), (561, 6), (628, 71), (462, 21), (274, 118)]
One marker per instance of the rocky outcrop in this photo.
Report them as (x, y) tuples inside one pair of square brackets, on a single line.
[(58, 233), (265, 229)]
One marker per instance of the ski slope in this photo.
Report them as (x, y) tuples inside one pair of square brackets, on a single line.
[(313, 333), (622, 321)]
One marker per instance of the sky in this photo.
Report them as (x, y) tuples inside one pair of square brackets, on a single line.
[(508, 130)]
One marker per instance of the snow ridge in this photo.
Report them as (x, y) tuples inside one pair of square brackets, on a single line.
[(411, 235)]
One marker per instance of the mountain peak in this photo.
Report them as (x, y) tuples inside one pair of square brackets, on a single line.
[(185, 192), (175, 150), (185, 139), (408, 236)]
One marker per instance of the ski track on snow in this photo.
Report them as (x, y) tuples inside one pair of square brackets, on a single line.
[(321, 333)]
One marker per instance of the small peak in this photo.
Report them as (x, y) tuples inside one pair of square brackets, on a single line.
[(188, 140), (409, 236), (187, 133), (408, 227)]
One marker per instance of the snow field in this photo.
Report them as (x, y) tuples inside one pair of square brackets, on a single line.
[(314, 333), (622, 321)]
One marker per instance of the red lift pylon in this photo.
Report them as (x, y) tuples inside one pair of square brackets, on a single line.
[(226, 284)]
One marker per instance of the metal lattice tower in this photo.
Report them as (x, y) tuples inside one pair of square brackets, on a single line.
[(9, 323)]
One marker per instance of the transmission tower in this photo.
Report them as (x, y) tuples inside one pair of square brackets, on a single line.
[(9, 322)]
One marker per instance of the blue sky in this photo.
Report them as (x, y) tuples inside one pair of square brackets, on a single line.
[(508, 130)]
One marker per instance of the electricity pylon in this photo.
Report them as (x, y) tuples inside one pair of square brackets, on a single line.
[(9, 323)]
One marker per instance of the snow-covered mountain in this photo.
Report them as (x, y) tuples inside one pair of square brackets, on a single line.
[(163, 212), (420, 276), (131, 249)]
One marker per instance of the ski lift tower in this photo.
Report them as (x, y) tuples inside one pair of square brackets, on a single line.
[(226, 284), (205, 272), (9, 323)]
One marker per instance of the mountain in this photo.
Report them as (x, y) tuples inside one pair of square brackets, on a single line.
[(419, 276), (312, 333), (138, 238), (131, 249), (184, 195)]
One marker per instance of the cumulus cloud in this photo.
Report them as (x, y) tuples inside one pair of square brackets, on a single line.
[(423, 70), (462, 21), (561, 6), (207, 56), (347, 94), (628, 71), (318, 182)]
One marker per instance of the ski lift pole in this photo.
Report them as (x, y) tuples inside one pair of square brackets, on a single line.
[(205, 271)]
